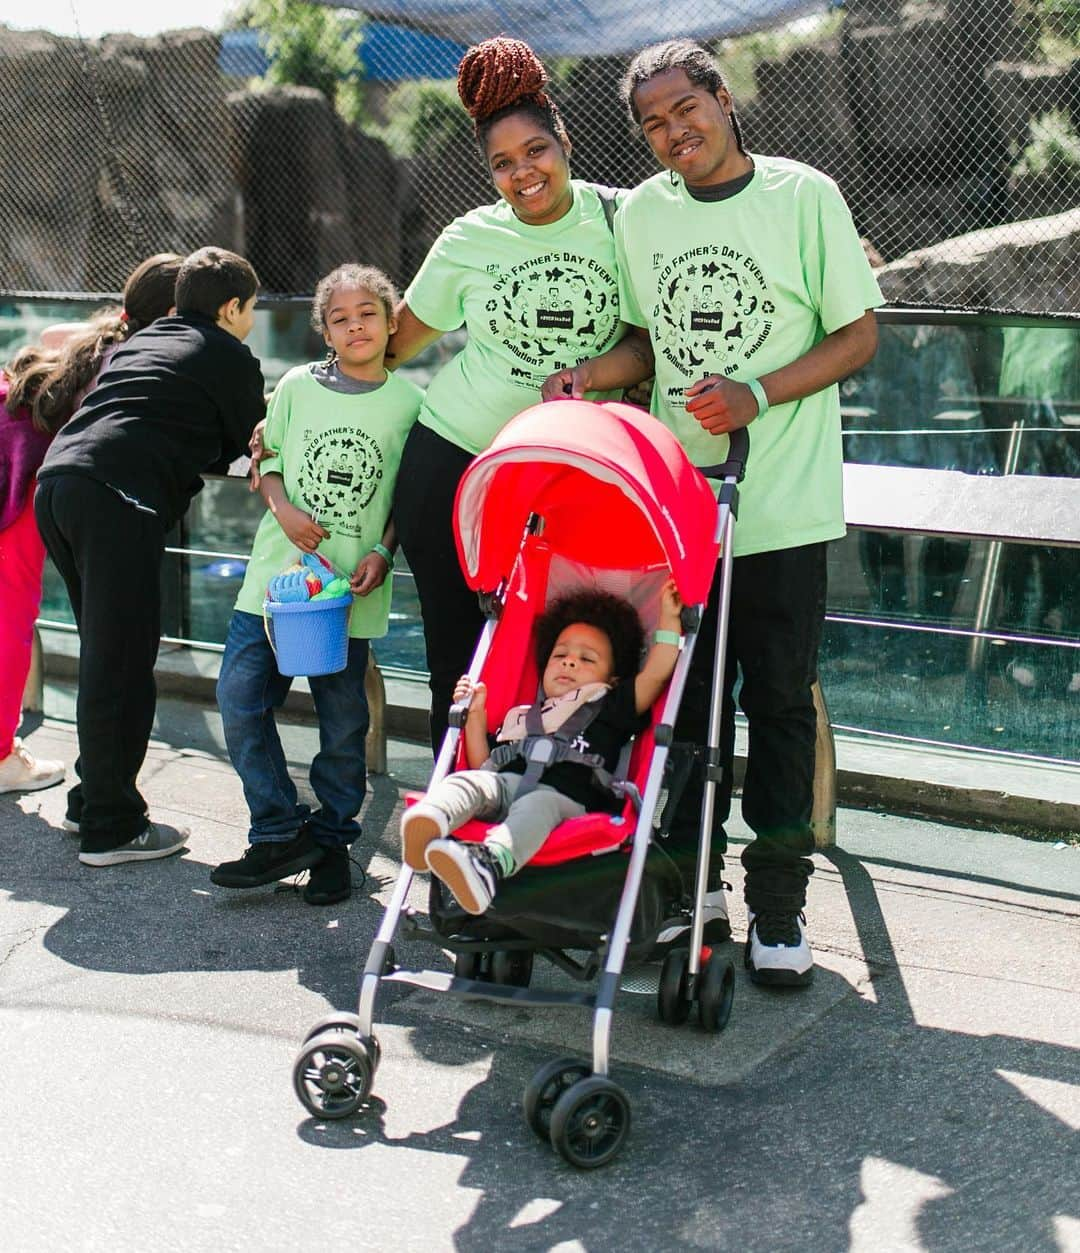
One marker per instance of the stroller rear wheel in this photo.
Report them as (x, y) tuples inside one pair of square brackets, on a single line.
[(513, 968), (590, 1121), (545, 1088), (333, 1072), (469, 965), (716, 993)]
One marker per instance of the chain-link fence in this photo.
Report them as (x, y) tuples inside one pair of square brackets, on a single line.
[(952, 128)]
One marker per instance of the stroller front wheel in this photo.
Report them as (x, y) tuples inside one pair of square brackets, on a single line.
[(590, 1122), (545, 1088), (333, 1072)]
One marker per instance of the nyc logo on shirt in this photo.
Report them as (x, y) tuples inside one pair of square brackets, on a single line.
[(713, 311), (340, 472), (552, 312)]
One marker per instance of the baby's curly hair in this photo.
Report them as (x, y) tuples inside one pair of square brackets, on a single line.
[(617, 618)]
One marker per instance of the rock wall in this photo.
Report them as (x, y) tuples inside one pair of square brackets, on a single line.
[(997, 268), (121, 147)]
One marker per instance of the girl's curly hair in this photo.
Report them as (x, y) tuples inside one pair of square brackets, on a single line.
[(617, 618)]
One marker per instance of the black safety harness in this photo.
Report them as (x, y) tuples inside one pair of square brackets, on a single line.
[(541, 749)]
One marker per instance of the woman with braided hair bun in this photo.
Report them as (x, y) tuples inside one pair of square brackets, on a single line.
[(532, 278)]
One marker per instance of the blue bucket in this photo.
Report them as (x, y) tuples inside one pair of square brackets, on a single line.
[(309, 636)]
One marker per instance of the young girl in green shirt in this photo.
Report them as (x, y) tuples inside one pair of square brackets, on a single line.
[(334, 435)]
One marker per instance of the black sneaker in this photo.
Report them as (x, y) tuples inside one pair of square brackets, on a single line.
[(675, 931), (269, 861), (469, 870), (777, 951), (331, 879)]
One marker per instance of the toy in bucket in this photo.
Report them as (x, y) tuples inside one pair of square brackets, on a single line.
[(306, 613)]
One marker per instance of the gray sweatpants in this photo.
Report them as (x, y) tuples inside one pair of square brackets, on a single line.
[(522, 825)]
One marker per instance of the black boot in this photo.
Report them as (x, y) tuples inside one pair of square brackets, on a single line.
[(331, 879), (269, 861)]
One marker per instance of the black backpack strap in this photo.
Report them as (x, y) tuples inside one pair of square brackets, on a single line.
[(609, 202)]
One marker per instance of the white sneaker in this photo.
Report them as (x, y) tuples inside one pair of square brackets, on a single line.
[(155, 841), (676, 931), (21, 771), (420, 824), (777, 951), (469, 870)]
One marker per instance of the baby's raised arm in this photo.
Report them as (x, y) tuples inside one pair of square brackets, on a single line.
[(660, 663)]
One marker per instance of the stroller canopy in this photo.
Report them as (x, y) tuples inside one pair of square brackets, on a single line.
[(612, 484)]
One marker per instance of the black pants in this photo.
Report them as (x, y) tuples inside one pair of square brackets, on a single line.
[(776, 615), (109, 556), (431, 468)]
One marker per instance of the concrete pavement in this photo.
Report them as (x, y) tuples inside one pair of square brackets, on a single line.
[(922, 1094)]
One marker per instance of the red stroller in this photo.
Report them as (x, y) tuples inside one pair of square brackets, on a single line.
[(569, 494)]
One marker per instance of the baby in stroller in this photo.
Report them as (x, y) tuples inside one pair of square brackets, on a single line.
[(552, 760)]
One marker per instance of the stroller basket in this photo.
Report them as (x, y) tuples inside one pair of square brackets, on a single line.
[(569, 494)]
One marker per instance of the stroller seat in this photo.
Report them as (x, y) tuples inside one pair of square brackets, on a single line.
[(591, 835)]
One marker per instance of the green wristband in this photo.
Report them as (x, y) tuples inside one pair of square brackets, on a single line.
[(759, 396), (668, 637), (384, 553)]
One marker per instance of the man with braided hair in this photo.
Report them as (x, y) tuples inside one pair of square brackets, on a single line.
[(775, 235), (532, 278)]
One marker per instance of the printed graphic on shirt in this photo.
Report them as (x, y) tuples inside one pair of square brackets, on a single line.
[(713, 311), (339, 472), (552, 312)]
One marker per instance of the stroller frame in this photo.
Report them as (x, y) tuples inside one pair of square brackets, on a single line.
[(333, 1073)]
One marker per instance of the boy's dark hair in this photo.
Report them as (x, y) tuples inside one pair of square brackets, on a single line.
[(500, 77), (617, 618), (696, 62), (211, 278), (352, 274)]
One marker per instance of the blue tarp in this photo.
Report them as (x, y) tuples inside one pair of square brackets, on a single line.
[(585, 27), (387, 53)]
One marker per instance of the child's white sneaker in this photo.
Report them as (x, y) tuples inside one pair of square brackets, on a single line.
[(420, 824), (21, 771), (470, 871)]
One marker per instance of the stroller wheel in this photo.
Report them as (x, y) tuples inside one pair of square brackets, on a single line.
[(513, 968), (672, 1001), (334, 1022), (332, 1074), (590, 1121), (468, 965), (545, 1088), (716, 992)]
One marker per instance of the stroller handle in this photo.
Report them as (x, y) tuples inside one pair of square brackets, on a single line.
[(735, 466)]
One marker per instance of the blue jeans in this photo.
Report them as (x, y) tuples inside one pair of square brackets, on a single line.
[(249, 689)]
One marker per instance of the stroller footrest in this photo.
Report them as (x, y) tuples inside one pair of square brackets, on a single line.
[(479, 989)]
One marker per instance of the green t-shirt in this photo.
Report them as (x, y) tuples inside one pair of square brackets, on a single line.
[(338, 455), (741, 287), (534, 299)]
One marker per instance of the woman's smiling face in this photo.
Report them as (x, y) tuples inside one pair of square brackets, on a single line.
[(530, 169)]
